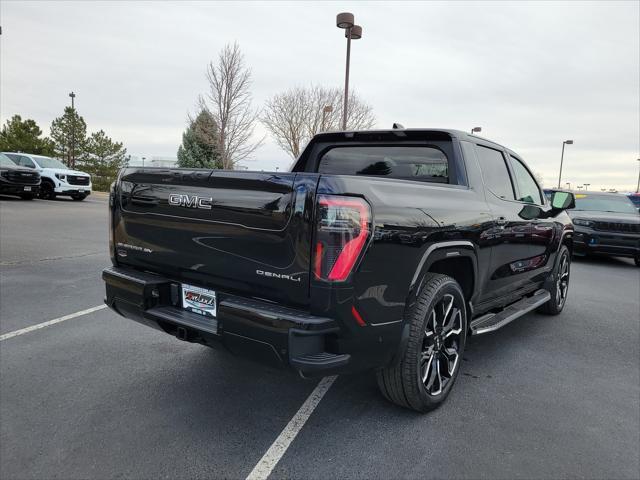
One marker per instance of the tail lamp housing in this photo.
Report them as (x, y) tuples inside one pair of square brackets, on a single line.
[(342, 229)]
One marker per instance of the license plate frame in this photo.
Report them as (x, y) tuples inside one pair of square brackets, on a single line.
[(199, 300), (27, 189)]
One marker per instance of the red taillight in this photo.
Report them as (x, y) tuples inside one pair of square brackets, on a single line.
[(343, 225), (356, 315)]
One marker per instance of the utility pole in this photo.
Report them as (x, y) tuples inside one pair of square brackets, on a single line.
[(72, 158), (346, 21), (566, 142), (325, 110)]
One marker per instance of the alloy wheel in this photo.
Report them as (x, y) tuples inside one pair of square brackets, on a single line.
[(562, 282), (439, 357), (46, 191)]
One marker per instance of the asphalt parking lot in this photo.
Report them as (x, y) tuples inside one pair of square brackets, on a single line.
[(98, 396)]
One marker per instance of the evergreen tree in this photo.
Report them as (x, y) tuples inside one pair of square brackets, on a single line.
[(199, 149), (69, 133), (103, 158), (19, 135)]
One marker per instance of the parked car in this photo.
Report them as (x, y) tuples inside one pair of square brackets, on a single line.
[(379, 250), (57, 178), (16, 180), (606, 224)]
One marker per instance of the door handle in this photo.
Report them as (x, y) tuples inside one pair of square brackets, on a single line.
[(501, 221)]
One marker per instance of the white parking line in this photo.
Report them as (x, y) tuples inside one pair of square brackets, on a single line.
[(278, 448), (22, 331)]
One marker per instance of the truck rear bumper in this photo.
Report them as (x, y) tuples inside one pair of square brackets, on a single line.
[(257, 329)]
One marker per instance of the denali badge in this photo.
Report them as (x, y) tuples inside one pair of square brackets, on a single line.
[(278, 275), (190, 201)]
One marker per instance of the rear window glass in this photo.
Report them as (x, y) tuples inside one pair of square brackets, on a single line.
[(427, 164)]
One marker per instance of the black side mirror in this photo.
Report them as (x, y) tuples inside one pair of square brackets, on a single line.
[(562, 200)]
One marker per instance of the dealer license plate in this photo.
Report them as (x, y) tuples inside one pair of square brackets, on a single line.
[(27, 189), (199, 300)]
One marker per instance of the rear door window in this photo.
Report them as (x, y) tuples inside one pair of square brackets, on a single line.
[(428, 164), (495, 172)]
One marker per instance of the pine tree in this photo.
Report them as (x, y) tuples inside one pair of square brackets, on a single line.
[(69, 132), (19, 135), (199, 149), (103, 158)]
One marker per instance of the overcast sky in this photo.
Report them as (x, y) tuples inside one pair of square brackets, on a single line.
[(530, 74)]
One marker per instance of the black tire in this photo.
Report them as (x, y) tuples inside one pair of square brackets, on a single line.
[(637, 260), (558, 283), (79, 198), (411, 381), (27, 196), (46, 191)]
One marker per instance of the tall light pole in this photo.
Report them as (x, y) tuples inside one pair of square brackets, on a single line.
[(476, 129), (638, 186), (325, 110), (586, 186), (568, 184), (143, 158), (566, 142), (72, 160), (579, 187), (346, 21)]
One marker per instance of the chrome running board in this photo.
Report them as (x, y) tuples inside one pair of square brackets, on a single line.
[(493, 321)]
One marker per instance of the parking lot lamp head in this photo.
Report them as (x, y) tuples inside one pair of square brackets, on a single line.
[(355, 32), (344, 20), (476, 130)]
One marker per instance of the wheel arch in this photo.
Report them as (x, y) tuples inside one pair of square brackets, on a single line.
[(456, 259), (446, 258)]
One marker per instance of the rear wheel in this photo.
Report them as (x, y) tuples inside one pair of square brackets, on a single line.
[(46, 191), (423, 376), (558, 283)]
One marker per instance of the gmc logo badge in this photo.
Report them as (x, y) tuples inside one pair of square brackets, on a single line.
[(190, 201)]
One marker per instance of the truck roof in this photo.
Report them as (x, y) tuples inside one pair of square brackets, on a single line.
[(400, 132)]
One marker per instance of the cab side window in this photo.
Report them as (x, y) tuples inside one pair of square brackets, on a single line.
[(529, 191), (495, 172), (25, 162)]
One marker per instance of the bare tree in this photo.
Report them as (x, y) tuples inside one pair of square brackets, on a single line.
[(229, 103), (284, 116), (293, 117)]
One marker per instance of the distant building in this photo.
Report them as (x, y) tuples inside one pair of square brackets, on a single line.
[(152, 161)]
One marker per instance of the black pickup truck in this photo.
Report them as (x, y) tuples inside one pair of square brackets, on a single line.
[(15, 180), (379, 250)]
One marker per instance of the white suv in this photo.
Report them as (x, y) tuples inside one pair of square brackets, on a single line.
[(57, 179)]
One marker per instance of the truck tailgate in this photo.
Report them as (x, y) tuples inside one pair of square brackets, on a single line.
[(243, 232)]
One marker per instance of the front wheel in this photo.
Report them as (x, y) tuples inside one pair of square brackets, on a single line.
[(46, 191), (558, 283), (423, 376)]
